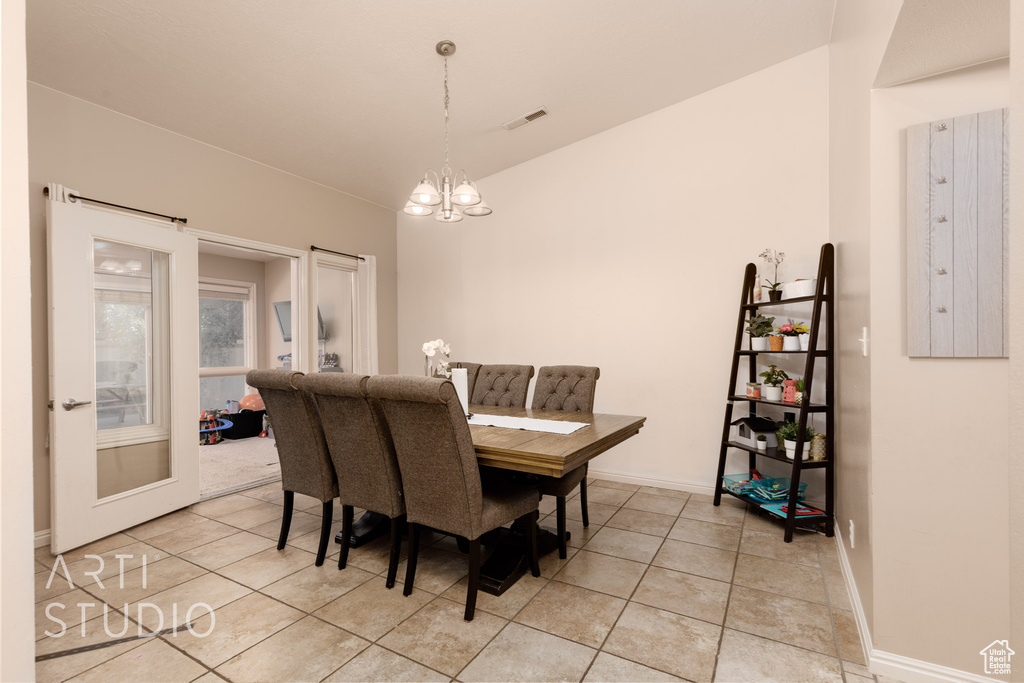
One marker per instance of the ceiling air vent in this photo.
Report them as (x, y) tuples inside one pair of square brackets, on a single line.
[(525, 119)]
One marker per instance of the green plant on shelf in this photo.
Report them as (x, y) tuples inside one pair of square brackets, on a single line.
[(760, 326), (774, 377), (791, 430)]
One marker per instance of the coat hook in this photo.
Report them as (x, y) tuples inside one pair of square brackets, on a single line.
[(942, 271), (941, 127), (941, 309), (942, 180), (942, 218)]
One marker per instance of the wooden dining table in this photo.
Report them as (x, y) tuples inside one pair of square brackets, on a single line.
[(534, 452)]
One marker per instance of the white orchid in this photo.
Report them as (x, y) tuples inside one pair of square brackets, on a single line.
[(430, 349)]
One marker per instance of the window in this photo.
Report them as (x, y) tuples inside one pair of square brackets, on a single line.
[(227, 340)]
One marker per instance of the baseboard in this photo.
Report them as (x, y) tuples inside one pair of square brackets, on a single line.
[(41, 538), (621, 477), (886, 663)]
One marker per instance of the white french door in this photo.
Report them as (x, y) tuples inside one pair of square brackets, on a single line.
[(123, 316)]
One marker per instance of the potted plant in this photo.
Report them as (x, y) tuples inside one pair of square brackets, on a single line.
[(790, 333), (762, 442), (789, 432), (799, 397), (789, 391), (773, 379), (441, 368), (759, 328), (773, 257)]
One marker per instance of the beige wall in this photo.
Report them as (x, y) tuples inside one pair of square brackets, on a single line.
[(115, 158), (860, 33), (937, 424), (243, 270), (1015, 424), (626, 251), (16, 391), (279, 288)]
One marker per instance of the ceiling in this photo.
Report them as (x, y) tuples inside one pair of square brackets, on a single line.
[(935, 36), (349, 93)]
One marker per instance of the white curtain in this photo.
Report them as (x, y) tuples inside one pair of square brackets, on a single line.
[(366, 316)]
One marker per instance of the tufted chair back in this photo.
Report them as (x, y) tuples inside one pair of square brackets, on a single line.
[(502, 385), (566, 387), (306, 466), (435, 452), (359, 442)]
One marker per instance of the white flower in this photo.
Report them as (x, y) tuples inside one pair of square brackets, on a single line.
[(429, 348)]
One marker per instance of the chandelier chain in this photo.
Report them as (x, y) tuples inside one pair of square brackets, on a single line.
[(446, 170)]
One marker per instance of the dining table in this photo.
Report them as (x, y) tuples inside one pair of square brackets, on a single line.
[(533, 452)]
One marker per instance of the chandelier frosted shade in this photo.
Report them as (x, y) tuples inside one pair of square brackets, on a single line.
[(414, 209), (454, 216), (466, 194), (425, 194), (480, 209)]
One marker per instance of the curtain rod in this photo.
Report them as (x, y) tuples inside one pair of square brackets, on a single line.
[(339, 253), (175, 219)]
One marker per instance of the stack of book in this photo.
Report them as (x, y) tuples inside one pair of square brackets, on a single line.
[(802, 511), (769, 490)]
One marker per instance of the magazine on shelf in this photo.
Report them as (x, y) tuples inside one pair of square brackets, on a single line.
[(802, 511)]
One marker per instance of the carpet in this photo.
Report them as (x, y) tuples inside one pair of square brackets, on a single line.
[(237, 464)]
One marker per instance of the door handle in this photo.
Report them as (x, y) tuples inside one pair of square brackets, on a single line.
[(71, 404)]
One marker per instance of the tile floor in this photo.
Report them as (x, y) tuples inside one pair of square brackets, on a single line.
[(662, 586)]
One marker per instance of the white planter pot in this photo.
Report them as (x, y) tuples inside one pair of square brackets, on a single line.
[(792, 290), (770, 393), (759, 343), (762, 445), (791, 450), (805, 341), (790, 343)]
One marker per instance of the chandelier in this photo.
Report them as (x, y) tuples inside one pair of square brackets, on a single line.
[(436, 191)]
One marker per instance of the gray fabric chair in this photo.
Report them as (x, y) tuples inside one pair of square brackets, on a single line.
[(569, 388), (306, 467), (502, 385), (440, 475), (360, 445), (472, 371)]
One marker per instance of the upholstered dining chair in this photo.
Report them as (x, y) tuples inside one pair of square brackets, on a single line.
[(502, 385), (360, 445), (306, 467), (569, 388), (440, 475)]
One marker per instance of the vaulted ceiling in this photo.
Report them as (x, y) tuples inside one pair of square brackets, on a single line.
[(348, 93)]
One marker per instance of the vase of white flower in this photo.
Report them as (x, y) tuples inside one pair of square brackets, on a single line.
[(436, 348)]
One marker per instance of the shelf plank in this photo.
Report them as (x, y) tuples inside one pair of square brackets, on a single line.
[(779, 454), (794, 300), (823, 353), (811, 407)]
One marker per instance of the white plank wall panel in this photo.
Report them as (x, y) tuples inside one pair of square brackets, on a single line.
[(964, 229), (941, 238), (990, 234), (918, 245), (957, 236)]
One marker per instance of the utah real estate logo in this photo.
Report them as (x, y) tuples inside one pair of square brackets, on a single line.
[(997, 657)]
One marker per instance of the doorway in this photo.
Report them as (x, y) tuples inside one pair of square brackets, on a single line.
[(241, 287)]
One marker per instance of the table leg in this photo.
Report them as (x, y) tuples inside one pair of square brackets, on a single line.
[(368, 527), (511, 557)]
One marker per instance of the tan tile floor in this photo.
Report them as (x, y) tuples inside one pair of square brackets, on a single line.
[(662, 586)]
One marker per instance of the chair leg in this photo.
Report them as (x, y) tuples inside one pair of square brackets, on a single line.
[(346, 535), (560, 522), (534, 559), (325, 531), (463, 544), (474, 578), (414, 551), (396, 550), (583, 502), (286, 518)]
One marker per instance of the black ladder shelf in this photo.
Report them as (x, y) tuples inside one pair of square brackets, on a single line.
[(824, 297)]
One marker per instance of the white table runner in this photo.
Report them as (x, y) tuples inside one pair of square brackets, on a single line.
[(531, 424)]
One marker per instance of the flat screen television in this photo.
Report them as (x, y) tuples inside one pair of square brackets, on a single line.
[(283, 309)]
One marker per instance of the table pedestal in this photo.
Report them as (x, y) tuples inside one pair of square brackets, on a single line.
[(368, 527)]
